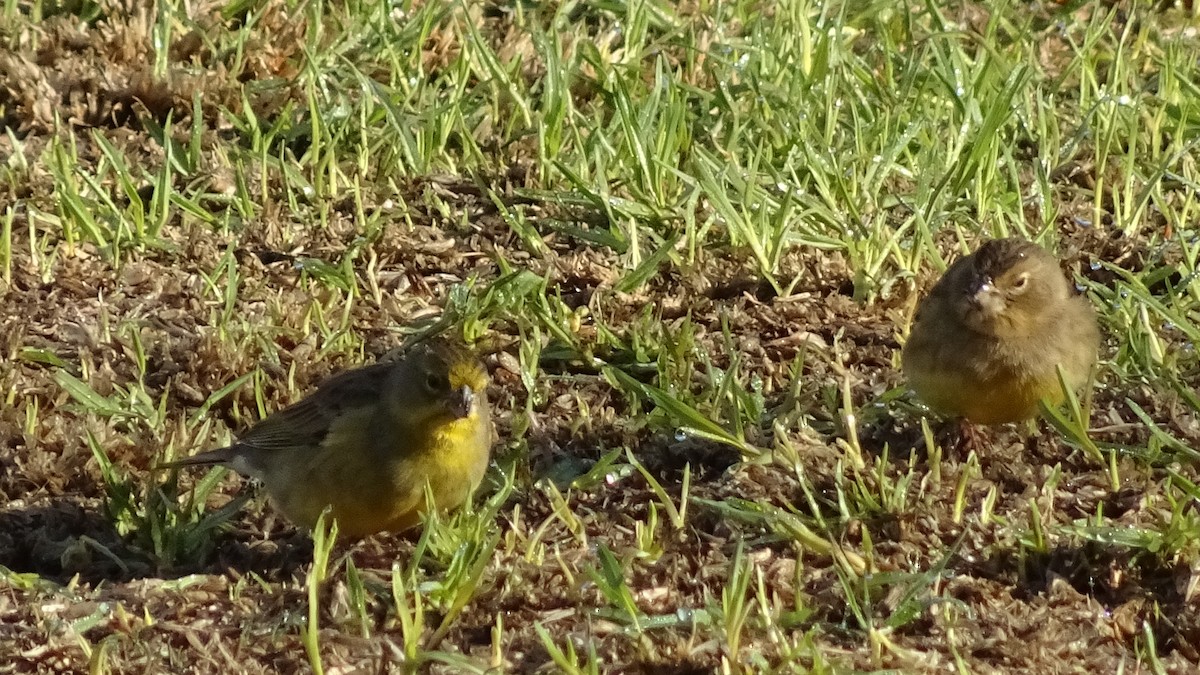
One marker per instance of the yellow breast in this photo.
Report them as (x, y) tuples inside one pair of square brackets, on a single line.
[(368, 495)]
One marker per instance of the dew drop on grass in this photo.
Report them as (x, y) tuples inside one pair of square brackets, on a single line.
[(1095, 266), (680, 435)]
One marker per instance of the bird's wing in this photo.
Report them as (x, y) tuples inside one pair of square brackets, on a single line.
[(307, 422)]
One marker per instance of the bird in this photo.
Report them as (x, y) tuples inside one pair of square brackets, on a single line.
[(987, 341), (370, 441)]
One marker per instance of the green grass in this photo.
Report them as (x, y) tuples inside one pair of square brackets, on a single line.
[(689, 240)]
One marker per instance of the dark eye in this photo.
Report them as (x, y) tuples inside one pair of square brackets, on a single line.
[(1021, 282), (436, 382)]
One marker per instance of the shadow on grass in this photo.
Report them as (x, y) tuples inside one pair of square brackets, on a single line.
[(1132, 595), (58, 539)]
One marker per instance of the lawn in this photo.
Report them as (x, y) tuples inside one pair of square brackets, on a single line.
[(687, 240)]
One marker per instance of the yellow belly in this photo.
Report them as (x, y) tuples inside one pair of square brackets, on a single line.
[(985, 402), (367, 495)]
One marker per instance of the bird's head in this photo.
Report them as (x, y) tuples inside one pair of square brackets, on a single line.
[(437, 383), (1008, 287)]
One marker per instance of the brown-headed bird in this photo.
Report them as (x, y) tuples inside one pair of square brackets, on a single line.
[(987, 342), (367, 442)]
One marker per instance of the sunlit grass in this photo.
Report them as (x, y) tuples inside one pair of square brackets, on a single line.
[(687, 240)]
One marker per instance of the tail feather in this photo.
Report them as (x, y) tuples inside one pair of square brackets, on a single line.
[(210, 458)]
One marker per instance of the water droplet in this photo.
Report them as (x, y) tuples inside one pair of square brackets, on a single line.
[(680, 435)]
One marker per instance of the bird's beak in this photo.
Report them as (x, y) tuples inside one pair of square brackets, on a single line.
[(986, 297), (460, 402), (979, 286)]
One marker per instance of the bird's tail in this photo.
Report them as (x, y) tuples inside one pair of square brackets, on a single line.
[(210, 458)]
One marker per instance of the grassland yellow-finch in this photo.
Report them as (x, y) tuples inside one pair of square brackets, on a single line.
[(987, 342), (368, 441)]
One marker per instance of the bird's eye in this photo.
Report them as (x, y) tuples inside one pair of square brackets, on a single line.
[(1021, 282), (436, 382)]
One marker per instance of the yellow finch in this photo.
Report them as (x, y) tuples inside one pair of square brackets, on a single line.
[(987, 341), (367, 442)]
